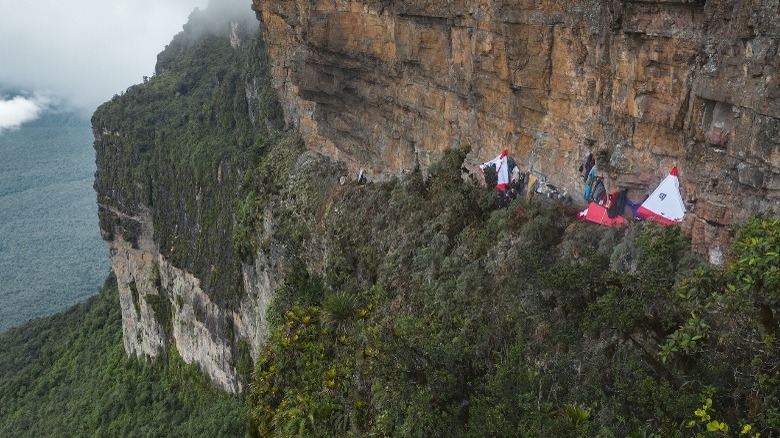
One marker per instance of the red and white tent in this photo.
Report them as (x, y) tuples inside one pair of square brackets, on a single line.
[(598, 214), (502, 169), (665, 204)]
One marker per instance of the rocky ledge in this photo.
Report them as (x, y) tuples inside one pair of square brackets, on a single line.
[(644, 85)]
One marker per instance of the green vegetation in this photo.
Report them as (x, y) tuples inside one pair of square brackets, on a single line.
[(417, 307), (178, 145), (47, 216), (431, 312), (68, 375), (437, 314)]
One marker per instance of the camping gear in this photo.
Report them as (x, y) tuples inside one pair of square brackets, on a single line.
[(634, 208), (618, 203), (587, 166), (665, 204), (596, 192), (590, 180), (532, 179), (502, 170), (598, 214)]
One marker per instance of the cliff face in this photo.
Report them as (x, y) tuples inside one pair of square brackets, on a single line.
[(643, 85), (193, 214), (171, 156), (163, 306)]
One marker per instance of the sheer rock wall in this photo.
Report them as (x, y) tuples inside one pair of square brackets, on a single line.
[(167, 208), (160, 301), (644, 85)]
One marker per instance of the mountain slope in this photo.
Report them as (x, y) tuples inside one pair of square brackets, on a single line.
[(414, 306), (643, 85)]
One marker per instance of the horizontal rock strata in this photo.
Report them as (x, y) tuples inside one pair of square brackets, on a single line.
[(644, 85)]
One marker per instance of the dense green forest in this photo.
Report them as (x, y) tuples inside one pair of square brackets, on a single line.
[(51, 254), (439, 314), (68, 375), (442, 315)]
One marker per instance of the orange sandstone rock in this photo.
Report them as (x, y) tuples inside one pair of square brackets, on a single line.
[(644, 85)]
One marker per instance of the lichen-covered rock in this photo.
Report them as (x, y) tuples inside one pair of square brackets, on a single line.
[(646, 84), (134, 264), (161, 302)]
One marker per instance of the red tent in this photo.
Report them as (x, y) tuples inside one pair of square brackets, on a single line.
[(598, 214)]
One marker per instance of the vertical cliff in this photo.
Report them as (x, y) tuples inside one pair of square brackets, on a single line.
[(644, 85), (172, 154), (203, 196)]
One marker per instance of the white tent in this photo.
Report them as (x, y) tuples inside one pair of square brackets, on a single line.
[(502, 170), (665, 204)]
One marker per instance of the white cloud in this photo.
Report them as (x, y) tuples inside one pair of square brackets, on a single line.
[(18, 110), (86, 50)]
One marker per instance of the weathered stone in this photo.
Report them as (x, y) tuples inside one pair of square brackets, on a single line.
[(196, 325), (750, 175), (387, 87), (133, 264)]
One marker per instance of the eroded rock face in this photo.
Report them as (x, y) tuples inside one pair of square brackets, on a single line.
[(644, 85), (160, 301), (133, 263)]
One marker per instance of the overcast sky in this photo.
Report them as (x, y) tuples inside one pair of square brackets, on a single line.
[(82, 51)]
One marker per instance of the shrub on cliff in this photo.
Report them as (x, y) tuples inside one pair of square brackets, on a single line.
[(472, 321), (180, 144)]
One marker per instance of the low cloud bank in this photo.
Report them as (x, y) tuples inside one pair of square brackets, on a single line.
[(86, 50), (20, 109)]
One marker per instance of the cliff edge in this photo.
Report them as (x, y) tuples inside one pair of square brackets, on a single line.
[(643, 85), (209, 205), (171, 157)]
